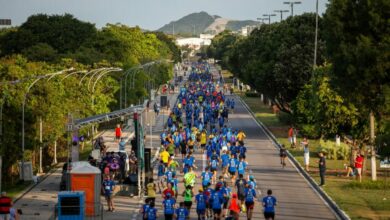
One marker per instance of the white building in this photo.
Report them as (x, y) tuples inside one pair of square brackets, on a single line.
[(247, 30), (193, 42)]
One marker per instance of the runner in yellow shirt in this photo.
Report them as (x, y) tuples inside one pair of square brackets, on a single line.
[(164, 156), (240, 137)]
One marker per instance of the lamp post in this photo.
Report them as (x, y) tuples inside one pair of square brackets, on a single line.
[(269, 17), (24, 105), (316, 38), (281, 13), (291, 3)]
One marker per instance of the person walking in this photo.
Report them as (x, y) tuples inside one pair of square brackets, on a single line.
[(109, 185), (322, 168), (269, 203), (5, 206), (306, 153)]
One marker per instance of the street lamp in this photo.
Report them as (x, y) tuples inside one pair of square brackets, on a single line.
[(281, 13), (269, 17), (24, 105), (292, 6)]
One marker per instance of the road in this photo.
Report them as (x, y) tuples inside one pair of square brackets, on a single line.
[(296, 199)]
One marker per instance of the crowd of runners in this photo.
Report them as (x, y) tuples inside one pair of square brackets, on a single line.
[(221, 187)]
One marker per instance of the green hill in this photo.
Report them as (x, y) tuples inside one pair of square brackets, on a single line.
[(187, 24)]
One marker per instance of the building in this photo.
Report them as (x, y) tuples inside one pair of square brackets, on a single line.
[(247, 30), (194, 43)]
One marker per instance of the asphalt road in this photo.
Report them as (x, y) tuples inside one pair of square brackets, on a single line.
[(296, 198)]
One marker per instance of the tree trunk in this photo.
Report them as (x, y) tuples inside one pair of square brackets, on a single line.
[(372, 140)]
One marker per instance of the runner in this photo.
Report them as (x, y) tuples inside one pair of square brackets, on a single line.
[(188, 194), (233, 164), (216, 200), (241, 185), (201, 200), (234, 207), (250, 195), (108, 186), (283, 155), (152, 212), (269, 203), (189, 178), (181, 213), (206, 178), (145, 209), (169, 206)]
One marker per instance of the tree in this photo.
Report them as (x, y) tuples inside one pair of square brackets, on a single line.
[(357, 34), (277, 59), (321, 112)]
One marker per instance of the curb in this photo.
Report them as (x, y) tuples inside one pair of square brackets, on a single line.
[(340, 214)]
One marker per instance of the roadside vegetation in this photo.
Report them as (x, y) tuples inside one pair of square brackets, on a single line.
[(41, 46), (344, 92)]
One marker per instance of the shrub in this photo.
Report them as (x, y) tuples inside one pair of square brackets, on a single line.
[(333, 151)]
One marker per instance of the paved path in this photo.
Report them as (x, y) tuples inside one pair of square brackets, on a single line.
[(297, 200)]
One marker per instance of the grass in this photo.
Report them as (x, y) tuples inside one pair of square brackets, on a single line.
[(14, 189), (366, 200)]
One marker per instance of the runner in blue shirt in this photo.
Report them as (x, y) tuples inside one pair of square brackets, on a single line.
[(214, 162), (225, 162), (242, 165), (252, 182), (152, 212), (201, 200), (145, 208), (269, 203), (108, 186), (233, 164), (242, 150), (161, 175), (216, 200), (206, 178), (250, 195), (169, 176), (181, 213), (169, 206)]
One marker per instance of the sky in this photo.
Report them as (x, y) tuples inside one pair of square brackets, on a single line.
[(148, 14)]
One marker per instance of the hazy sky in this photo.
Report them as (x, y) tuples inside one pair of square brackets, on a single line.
[(148, 14)]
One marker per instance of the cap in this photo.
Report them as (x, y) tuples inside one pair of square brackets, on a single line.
[(251, 177), (200, 189)]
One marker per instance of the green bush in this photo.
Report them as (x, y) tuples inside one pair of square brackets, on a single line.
[(252, 94), (334, 152)]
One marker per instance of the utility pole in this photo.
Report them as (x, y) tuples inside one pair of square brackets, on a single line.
[(281, 13), (40, 144), (173, 29), (372, 140), (316, 38), (292, 6), (269, 17)]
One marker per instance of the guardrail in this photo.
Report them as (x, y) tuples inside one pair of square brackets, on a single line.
[(340, 214)]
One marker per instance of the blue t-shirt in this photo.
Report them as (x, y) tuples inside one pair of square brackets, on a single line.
[(233, 163), (269, 203), (152, 214), (206, 178), (161, 169), (200, 201), (225, 160), (189, 161), (181, 213), (169, 175), (108, 186), (214, 163), (250, 195), (241, 167), (168, 206), (217, 200), (252, 183), (145, 208)]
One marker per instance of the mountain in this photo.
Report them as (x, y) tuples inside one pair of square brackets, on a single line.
[(187, 25), (202, 22)]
